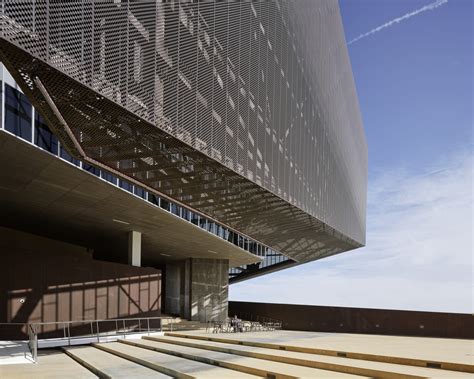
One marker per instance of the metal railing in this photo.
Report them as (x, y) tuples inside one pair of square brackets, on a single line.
[(257, 318), (264, 324), (33, 342), (91, 330)]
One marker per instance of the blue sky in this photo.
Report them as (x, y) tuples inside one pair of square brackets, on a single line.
[(415, 85), (414, 79)]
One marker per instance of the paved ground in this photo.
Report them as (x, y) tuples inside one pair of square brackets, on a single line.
[(14, 352), (52, 364), (433, 349)]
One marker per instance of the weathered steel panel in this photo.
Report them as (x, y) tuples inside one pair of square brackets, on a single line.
[(244, 111)]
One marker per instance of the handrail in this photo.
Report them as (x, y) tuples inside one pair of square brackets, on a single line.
[(252, 317), (33, 342), (93, 320), (33, 329), (243, 325)]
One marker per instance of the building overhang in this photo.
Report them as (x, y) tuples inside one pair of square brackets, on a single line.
[(45, 195), (98, 130)]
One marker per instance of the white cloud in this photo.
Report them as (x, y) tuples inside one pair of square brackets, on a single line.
[(419, 252), (397, 20)]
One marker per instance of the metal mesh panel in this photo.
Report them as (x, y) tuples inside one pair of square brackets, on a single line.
[(244, 111)]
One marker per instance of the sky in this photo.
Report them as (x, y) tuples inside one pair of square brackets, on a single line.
[(412, 62)]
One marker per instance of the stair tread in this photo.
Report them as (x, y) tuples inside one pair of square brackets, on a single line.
[(112, 365), (182, 365), (268, 366), (451, 353), (51, 365), (389, 367)]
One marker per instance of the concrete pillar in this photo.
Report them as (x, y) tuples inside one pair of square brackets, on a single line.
[(186, 289), (134, 248), (209, 284), (173, 289), (198, 289)]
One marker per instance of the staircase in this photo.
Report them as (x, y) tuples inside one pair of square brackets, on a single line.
[(190, 355), (200, 355)]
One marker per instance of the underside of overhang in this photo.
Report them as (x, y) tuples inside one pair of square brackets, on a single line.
[(100, 131), (42, 194)]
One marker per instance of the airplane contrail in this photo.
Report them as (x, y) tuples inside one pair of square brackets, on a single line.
[(428, 7)]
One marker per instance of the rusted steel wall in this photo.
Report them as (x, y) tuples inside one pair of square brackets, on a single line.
[(360, 320), (42, 280)]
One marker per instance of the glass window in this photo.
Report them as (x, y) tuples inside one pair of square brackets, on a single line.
[(125, 185), (194, 218), (109, 177), (17, 113), (44, 137), (67, 157), (211, 227), (92, 169), (185, 214), (236, 239), (175, 209), (165, 204), (153, 199), (140, 192)]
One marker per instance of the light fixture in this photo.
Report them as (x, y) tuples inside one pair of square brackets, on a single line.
[(213, 252), (165, 255), (120, 221)]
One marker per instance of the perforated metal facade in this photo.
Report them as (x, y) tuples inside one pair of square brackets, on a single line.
[(244, 111)]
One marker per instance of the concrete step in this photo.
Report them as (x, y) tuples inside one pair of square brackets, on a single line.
[(171, 365), (259, 367), (106, 365), (52, 364), (244, 341), (339, 364)]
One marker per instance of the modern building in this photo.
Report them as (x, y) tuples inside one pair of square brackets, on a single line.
[(154, 152)]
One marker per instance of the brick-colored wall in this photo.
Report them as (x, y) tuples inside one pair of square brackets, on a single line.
[(360, 320), (43, 280)]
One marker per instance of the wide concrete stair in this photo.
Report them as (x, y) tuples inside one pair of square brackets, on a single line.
[(192, 356), (236, 363), (231, 339), (106, 365), (120, 360), (181, 355), (280, 361), (229, 355)]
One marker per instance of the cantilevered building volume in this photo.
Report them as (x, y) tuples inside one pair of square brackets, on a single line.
[(224, 141)]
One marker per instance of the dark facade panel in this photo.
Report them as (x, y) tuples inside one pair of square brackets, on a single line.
[(244, 111), (316, 318), (43, 280)]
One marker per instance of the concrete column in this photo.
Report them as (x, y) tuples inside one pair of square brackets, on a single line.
[(186, 289), (173, 289), (209, 284), (134, 248), (198, 289)]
